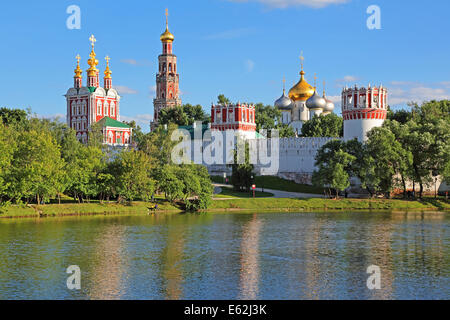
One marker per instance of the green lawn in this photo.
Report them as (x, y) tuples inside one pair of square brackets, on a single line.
[(276, 183), (324, 204), (230, 193)]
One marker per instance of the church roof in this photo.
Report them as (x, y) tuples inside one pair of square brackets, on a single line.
[(108, 122)]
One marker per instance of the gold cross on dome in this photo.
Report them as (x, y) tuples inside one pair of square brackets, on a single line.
[(315, 80), (78, 58), (92, 40), (284, 83), (107, 59), (167, 16)]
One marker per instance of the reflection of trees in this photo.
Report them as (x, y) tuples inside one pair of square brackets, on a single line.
[(250, 270)]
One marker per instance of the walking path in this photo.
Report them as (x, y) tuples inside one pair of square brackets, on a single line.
[(276, 193)]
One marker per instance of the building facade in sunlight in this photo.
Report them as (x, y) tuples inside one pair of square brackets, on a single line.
[(91, 104), (167, 78)]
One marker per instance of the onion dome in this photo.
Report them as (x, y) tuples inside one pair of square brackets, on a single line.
[(108, 71), (316, 102), (284, 102), (302, 91), (93, 62), (78, 71), (329, 107), (167, 36)]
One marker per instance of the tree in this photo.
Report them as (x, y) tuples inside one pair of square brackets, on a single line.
[(158, 145), (333, 162), (7, 147), (138, 135), (390, 159), (221, 99), (330, 125), (183, 115), (241, 177), (132, 173), (13, 117), (36, 166)]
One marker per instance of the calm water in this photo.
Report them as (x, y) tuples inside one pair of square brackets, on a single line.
[(236, 256)]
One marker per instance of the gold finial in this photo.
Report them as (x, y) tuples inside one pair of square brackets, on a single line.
[(93, 41), (107, 70), (324, 83), (284, 84), (78, 70), (167, 18), (93, 62), (302, 59), (315, 80)]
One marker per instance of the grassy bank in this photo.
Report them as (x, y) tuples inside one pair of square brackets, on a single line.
[(225, 205), (67, 209), (230, 193), (325, 204), (275, 183)]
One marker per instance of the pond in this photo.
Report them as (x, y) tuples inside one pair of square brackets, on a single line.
[(228, 256)]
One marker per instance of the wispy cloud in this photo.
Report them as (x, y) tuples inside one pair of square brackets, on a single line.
[(402, 92), (230, 34), (347, 80), (57, 116), (134, 62), (125, 90), (281, 4), (249, 65)]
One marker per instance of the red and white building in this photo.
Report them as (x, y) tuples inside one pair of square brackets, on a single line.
[(167, 78), (362, 110), (91, 104), (239, 118)]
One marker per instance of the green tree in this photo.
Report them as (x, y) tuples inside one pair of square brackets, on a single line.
[(241, 177), (333, 162), (183, 115), (330, 125), (133, 179), (221, 99), (13, 117)]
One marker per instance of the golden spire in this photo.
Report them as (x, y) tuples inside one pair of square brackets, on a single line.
[(167, 36), (315, 81), (78, 71), (284, 85), (324, 83), (302, 59), (107, 71), (93, 62)]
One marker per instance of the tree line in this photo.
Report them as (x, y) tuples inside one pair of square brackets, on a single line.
[(411, 146), (42, 160)]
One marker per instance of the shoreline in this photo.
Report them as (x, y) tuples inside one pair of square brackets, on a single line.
[(228, 206)]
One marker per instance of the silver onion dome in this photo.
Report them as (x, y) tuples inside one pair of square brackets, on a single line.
[(329, 106), (316, 102), (284, 102)]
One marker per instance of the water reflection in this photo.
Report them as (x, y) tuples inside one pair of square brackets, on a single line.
[(250, 259), (237, 256)]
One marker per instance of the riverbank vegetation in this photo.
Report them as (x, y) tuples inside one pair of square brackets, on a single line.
[(411, 147), (42, 160)]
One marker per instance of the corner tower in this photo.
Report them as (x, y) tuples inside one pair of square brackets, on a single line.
[(167, 78), (362, 110)]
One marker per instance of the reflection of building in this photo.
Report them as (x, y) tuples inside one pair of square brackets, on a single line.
[(95, 104), (167, 78), (250, 270)]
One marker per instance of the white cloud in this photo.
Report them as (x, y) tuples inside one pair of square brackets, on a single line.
[(249, 65), (57, 116), (347, 80), (403, 92), (129, 61), (125, 90), (290, 3), (142, 120)]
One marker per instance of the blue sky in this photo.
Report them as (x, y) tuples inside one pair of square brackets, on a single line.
[(240, 48)]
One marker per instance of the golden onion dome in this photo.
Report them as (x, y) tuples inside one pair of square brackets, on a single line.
[(302, 91), (108, 71), (167, 36), (78, 71)]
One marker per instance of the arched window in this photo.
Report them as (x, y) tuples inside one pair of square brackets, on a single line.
[(164, 67), (113, 109), (126, 140), (105, 108), (73, 108), (84, 107), (170, 67), (174, 67), (99, 108)]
